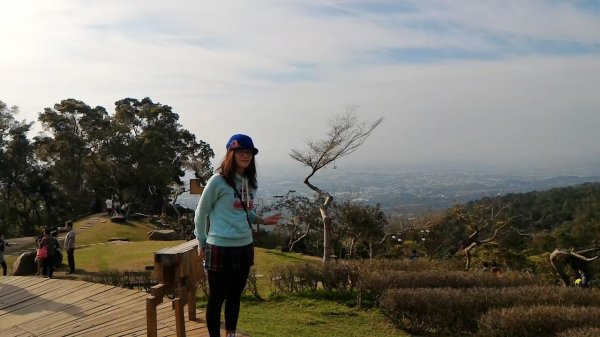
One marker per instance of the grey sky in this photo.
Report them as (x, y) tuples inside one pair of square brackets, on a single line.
[(508, 83)]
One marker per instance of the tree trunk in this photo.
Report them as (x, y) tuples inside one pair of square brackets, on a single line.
[(468, 254), (327, 236), (561, 273), (352, 245), (294, 241), (327, 231)]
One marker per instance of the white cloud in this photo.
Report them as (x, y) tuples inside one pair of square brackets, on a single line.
[(521, 87)]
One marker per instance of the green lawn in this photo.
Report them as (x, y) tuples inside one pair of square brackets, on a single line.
[(317, 314), (311, 315), (102, 229)]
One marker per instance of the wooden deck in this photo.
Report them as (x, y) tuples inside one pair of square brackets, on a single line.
[(35, 306)]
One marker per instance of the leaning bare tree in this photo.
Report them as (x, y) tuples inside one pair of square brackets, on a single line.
[(573, 257), (345, 135)]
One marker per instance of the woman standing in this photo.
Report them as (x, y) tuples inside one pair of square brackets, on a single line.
[(40, 259), (223, 227)]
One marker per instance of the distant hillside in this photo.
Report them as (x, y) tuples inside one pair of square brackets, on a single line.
[(565, 217), (551, 209)]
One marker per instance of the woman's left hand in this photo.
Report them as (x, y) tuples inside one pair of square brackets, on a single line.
[(272, 220)]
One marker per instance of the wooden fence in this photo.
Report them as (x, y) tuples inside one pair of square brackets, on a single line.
[(178, 270)]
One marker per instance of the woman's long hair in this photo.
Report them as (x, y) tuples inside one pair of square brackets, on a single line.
[(227, 170)]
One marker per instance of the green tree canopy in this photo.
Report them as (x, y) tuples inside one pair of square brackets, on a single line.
[(84, 155)]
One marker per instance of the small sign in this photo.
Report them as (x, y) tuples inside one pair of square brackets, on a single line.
[(196, 186)]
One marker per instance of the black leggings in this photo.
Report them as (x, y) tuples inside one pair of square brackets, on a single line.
[(4, 267), (48, 266), (224, 287)]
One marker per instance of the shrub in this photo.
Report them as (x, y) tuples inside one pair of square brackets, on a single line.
[(341, 276), (338, 276), (308, 276), (376, 282), (448, 310), (536, 321), (580, 332), (294, 277), (140, 280), (251, 284), (407, 265)]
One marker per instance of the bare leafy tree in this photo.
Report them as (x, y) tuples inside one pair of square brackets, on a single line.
[(345, 135), (303, 216), (485, 220)]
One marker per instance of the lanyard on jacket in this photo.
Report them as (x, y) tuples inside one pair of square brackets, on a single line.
[(237, 194)]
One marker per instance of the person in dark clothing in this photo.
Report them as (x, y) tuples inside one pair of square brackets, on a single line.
[(584, 280), (413, 255), (2, 262), (53, 246)]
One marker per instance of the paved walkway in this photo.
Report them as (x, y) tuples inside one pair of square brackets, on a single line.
[(19, 245)]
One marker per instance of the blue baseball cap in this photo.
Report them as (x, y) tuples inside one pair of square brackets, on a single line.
[(240, 141)]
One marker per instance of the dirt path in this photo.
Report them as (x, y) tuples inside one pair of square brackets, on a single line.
[(18, 244)]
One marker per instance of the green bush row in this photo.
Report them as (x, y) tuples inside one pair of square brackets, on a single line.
[(307, 277), (140, 280), (376, 282), (580, 332), (407, 265), (448, 311), (538, 321)]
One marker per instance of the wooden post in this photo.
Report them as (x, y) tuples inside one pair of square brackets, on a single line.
[(178, 269), (191, 302), (151, 321), (179, 316), (158, 292)]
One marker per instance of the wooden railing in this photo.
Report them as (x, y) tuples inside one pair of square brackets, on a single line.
[(178, 271)]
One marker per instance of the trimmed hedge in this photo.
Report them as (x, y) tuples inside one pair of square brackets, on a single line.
[(141, 280), (536, 321), (580, 332), (407, 265), (451, 311), (376, 282), (295, 278)]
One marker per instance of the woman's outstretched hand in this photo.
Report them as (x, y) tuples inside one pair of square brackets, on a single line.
[(272, 219)]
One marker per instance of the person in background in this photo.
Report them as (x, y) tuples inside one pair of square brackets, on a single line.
[(2, 261), (583, 277), (116, 208), (109, 206), (414, 255), (53, 246), (69, 246), (42, 241), (223, 227)]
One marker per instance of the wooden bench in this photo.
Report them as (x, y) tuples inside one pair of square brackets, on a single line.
[(178, 270)]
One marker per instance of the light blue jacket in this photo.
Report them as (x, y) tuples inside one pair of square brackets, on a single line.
[(219, 203)]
